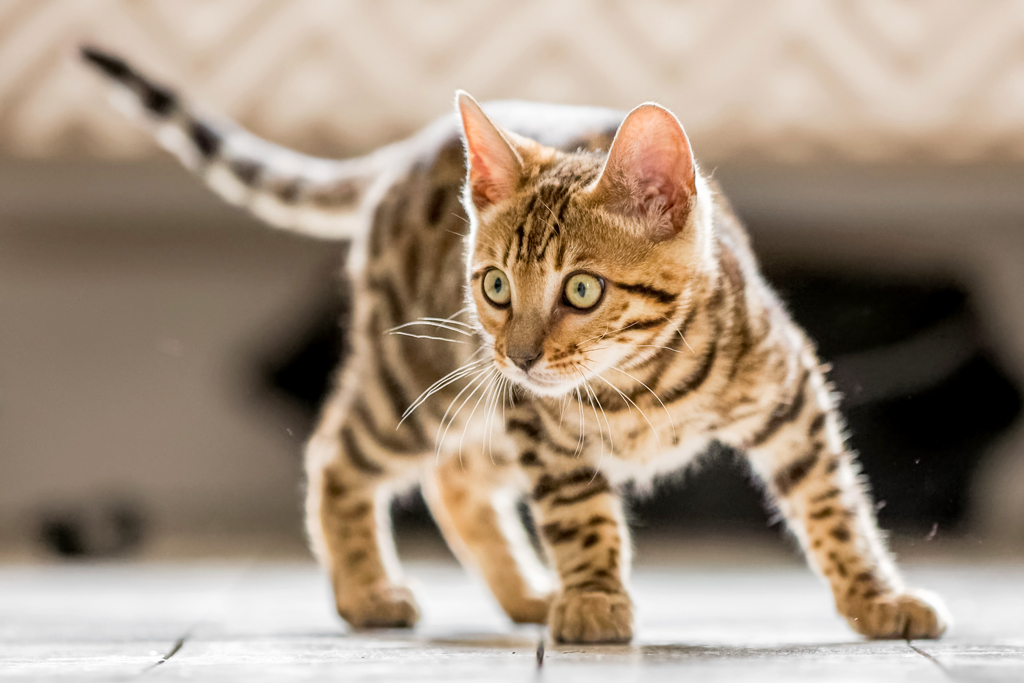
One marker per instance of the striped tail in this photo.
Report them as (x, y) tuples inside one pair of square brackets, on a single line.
[(309, 195)]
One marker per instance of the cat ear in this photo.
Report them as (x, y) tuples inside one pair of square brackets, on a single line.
[(495, 165), (650, 172)]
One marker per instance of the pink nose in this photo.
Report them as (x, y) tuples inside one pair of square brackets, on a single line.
[(524, 363)]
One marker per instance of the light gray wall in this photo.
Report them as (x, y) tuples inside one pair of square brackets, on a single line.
[(127, 323)]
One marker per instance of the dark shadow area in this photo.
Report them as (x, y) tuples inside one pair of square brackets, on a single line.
[(98, 528), (303, 369), (924, 398)]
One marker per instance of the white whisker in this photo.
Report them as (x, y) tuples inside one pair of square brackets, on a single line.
[(583, 421), (427, 336), (448, 321), (488, 442), (445, 381), (433, 323), (497, 395), (459, 312), (508, 391), (487, 391), (595, 403), (476, 382), (597, 337), (629, 400), (656, 397), (658, 346), (453, 376), (675, 326), (611, 444), (607, 332)]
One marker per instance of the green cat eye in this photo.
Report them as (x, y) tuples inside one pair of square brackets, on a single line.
[(496, 287), (583, 291)]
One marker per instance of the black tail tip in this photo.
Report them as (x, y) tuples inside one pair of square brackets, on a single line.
[(109, 64), (157, 100)]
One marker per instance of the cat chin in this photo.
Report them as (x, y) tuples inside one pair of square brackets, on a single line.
[(549, 391), (542, 387)]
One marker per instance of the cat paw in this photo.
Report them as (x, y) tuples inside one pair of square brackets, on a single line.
[(591, 617), (911, 615), (529, 609), (379, 606)]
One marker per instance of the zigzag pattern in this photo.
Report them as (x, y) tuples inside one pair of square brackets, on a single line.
[(880, 80)]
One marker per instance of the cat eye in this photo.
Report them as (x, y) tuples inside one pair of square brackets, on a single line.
[(583, 290), (496, 287)]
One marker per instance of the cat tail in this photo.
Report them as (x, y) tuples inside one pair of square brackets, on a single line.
[(289, 190)]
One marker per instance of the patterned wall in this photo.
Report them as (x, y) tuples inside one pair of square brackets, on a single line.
[(777, 79)]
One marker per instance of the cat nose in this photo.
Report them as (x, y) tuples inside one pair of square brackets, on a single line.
[(526, 361)]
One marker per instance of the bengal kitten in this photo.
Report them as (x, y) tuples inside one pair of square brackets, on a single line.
[(552, 299)]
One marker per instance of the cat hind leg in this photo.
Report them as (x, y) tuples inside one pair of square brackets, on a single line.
[(352, 470)]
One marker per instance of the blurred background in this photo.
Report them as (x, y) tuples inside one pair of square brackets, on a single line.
[(162, 355)]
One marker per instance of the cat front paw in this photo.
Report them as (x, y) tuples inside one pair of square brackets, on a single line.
[(381, 605), (910, 615), (591, 617)]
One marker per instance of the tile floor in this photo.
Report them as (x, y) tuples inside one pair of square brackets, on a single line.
[(270, 620)]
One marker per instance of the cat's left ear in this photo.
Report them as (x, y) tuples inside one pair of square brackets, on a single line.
[(650, 173)]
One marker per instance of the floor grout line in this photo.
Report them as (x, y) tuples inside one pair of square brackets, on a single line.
[(178, 644), (930, 657)]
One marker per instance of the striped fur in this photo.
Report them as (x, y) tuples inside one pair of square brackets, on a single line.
[(287, 189), (685, 344)]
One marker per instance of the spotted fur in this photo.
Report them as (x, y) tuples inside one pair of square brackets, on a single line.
[(482, 402)]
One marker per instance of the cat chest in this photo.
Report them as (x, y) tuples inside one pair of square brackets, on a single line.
[(642, 444)]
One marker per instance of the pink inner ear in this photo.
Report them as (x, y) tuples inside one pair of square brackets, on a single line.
[(494, 167), (489, 184), (659, 177), (650, 171)]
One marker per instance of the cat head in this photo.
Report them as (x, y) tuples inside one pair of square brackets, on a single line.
[(581, 262)]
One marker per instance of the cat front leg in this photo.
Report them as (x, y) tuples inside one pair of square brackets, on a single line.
[(473, 503), (800, 454), (580, 522)]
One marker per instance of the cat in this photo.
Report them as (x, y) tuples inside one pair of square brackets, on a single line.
[(548, 300)]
